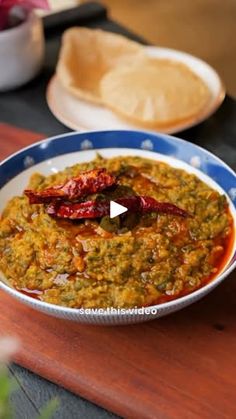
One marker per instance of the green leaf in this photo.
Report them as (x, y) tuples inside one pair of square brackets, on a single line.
[(4, 385), (5, 390), (110, 225), (48, 410)]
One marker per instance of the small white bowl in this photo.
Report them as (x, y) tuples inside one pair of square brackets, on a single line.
[(21, 52), (53, 155)]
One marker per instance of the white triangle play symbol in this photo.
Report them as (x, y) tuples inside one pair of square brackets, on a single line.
[(116, 209)]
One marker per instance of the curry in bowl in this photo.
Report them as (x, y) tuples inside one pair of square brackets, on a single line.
[(58, 244)]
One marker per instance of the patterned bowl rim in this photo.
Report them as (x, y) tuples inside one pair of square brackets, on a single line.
[(46, 307)]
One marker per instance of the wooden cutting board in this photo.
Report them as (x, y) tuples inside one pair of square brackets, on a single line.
[(180, 366)]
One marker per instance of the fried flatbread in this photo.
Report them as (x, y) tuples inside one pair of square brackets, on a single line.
[(155, 92), (87, 54)]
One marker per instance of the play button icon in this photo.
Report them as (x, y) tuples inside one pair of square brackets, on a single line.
[(116, 209)]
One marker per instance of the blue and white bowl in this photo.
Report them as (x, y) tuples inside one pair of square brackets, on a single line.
[(54, 154)]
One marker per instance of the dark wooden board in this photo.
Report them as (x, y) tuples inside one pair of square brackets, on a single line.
[(180, 366), (34, 392), (25, 407)]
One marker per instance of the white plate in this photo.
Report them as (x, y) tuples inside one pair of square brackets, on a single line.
[(82, 115)]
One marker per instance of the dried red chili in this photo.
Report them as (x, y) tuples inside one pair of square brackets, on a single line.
[(86, 183), (76, 211), (97, 209)]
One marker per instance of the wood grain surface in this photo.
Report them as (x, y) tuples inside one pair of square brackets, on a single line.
[(181, 366), (13, 139)]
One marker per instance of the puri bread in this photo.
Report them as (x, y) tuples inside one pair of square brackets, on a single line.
[(154, 92), (87, 54)]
